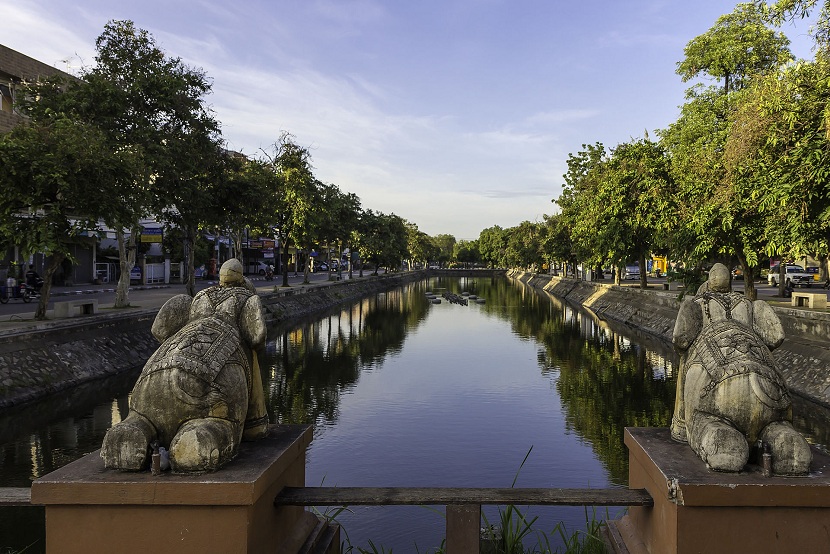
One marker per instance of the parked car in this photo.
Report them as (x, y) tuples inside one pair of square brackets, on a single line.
[(257, 267), (794, 275), (321, 266), (631, 273)]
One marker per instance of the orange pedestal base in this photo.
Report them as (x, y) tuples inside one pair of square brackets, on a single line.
[(700, 511), (93, 509)]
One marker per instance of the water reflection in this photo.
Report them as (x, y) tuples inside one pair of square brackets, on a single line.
[(404, 392), (310, 366)]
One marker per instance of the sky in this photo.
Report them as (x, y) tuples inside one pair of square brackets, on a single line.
[(456, 115)]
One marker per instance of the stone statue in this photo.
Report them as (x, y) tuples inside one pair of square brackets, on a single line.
[(730, 393), (200, 393)]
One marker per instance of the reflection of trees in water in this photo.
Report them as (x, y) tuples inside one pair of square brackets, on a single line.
[(309, 366), (605, 381)]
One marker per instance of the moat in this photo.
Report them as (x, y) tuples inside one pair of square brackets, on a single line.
[(403, 392)]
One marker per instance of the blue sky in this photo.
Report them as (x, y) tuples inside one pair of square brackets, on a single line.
[(454, 114)]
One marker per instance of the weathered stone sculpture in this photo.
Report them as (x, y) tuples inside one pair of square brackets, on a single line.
[(730, 393), (200, 393)]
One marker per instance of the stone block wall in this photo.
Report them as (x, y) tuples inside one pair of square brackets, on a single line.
[(804, 358)]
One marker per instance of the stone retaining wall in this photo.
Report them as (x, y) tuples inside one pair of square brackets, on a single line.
[(58, 355), (804, 358)]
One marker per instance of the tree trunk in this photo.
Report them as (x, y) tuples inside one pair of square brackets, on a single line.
[(54, 264), (618, 270), (126, 259), (749, 278), (190, 242), (782, 274), (643, 277), (284, 242)]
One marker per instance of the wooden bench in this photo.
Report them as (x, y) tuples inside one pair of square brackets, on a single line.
[(81, 306), (810, 299)]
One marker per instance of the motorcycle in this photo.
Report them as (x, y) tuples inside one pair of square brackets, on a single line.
[(13, 290)]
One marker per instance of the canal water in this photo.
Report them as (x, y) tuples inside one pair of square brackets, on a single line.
[(521, 390)]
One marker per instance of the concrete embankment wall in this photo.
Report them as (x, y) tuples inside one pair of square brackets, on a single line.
[(804, 358), (62, 354)]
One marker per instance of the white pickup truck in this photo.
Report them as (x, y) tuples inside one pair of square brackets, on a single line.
[(794, 274)]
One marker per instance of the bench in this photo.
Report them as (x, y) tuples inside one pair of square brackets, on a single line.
[(809, 299), (86, 306)]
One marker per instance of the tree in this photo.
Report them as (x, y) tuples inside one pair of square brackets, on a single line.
[(152, 106), (54, 170), (292, 197), (421, 247), (716, 218), (340, 212), (580, 215), (492, 244), (445, 244), (557, 243), (382, 239), (780, 157), (739, 45), (466, 252)]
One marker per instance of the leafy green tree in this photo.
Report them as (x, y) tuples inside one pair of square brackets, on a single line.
[(524, 246), (341, 212), (779, 152), (54, 171), (492, 244), (466, 252), (716, 215), (580, 222), (152, 106), (739, 45), (421, 247), (292, 198), (445, 244), (383, 240), (557, 243)]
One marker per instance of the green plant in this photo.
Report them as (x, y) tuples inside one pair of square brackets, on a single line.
[(513, 527), (587, 542)]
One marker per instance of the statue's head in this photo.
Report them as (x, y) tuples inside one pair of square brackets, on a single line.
[(230, 274), (719, 279)]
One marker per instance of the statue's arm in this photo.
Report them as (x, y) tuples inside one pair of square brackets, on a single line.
[(688, 324), (252, 323), (767, 325), (172, 316)]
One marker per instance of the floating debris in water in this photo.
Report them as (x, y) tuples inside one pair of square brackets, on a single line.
[(455, 299)]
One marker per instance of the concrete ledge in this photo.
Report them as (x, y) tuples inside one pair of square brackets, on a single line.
[(93, 509), (698, 510), (809, 299), (71, 308)]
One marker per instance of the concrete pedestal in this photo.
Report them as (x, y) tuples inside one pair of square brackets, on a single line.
[(700, 511), (93, 509)]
